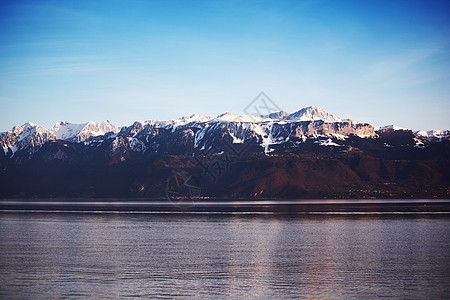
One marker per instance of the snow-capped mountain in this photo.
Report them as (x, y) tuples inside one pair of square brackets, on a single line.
[(264, 131), (190, 134), (312, 113), (82, 132), (307, 154), (434, 135), (29, 136)]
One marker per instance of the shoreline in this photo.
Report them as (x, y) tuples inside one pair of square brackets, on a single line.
[(418, 206)]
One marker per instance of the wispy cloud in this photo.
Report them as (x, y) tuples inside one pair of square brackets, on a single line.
[(408, 68), (58, 65), (393, 64)]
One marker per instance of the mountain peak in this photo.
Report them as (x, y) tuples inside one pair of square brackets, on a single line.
[(277, 115), (312, 113), (29, 124), (224, 114), (194, 118), (65, 130)]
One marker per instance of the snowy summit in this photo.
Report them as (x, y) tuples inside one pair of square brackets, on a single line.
[(81, 132)]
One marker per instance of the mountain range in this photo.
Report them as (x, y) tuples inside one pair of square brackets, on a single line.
[(307, 154)]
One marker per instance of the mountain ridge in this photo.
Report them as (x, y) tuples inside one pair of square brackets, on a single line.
[(316, 122), (68, 131), (251, 156)]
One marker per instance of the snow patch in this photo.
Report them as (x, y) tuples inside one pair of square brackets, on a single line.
[(137, 145), (327, 142), (439, 135), (228, 117), (393, 127)]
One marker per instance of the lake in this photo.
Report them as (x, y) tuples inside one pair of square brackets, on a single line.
[(223, 254)]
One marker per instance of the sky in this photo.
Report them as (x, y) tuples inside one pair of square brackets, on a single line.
[(381, 62)]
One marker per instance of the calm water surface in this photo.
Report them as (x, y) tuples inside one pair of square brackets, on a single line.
[(54, 255)]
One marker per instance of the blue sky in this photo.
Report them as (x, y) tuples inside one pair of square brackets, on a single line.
[(382, 62)]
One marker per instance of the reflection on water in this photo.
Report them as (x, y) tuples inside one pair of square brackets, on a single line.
[(162, 256)]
